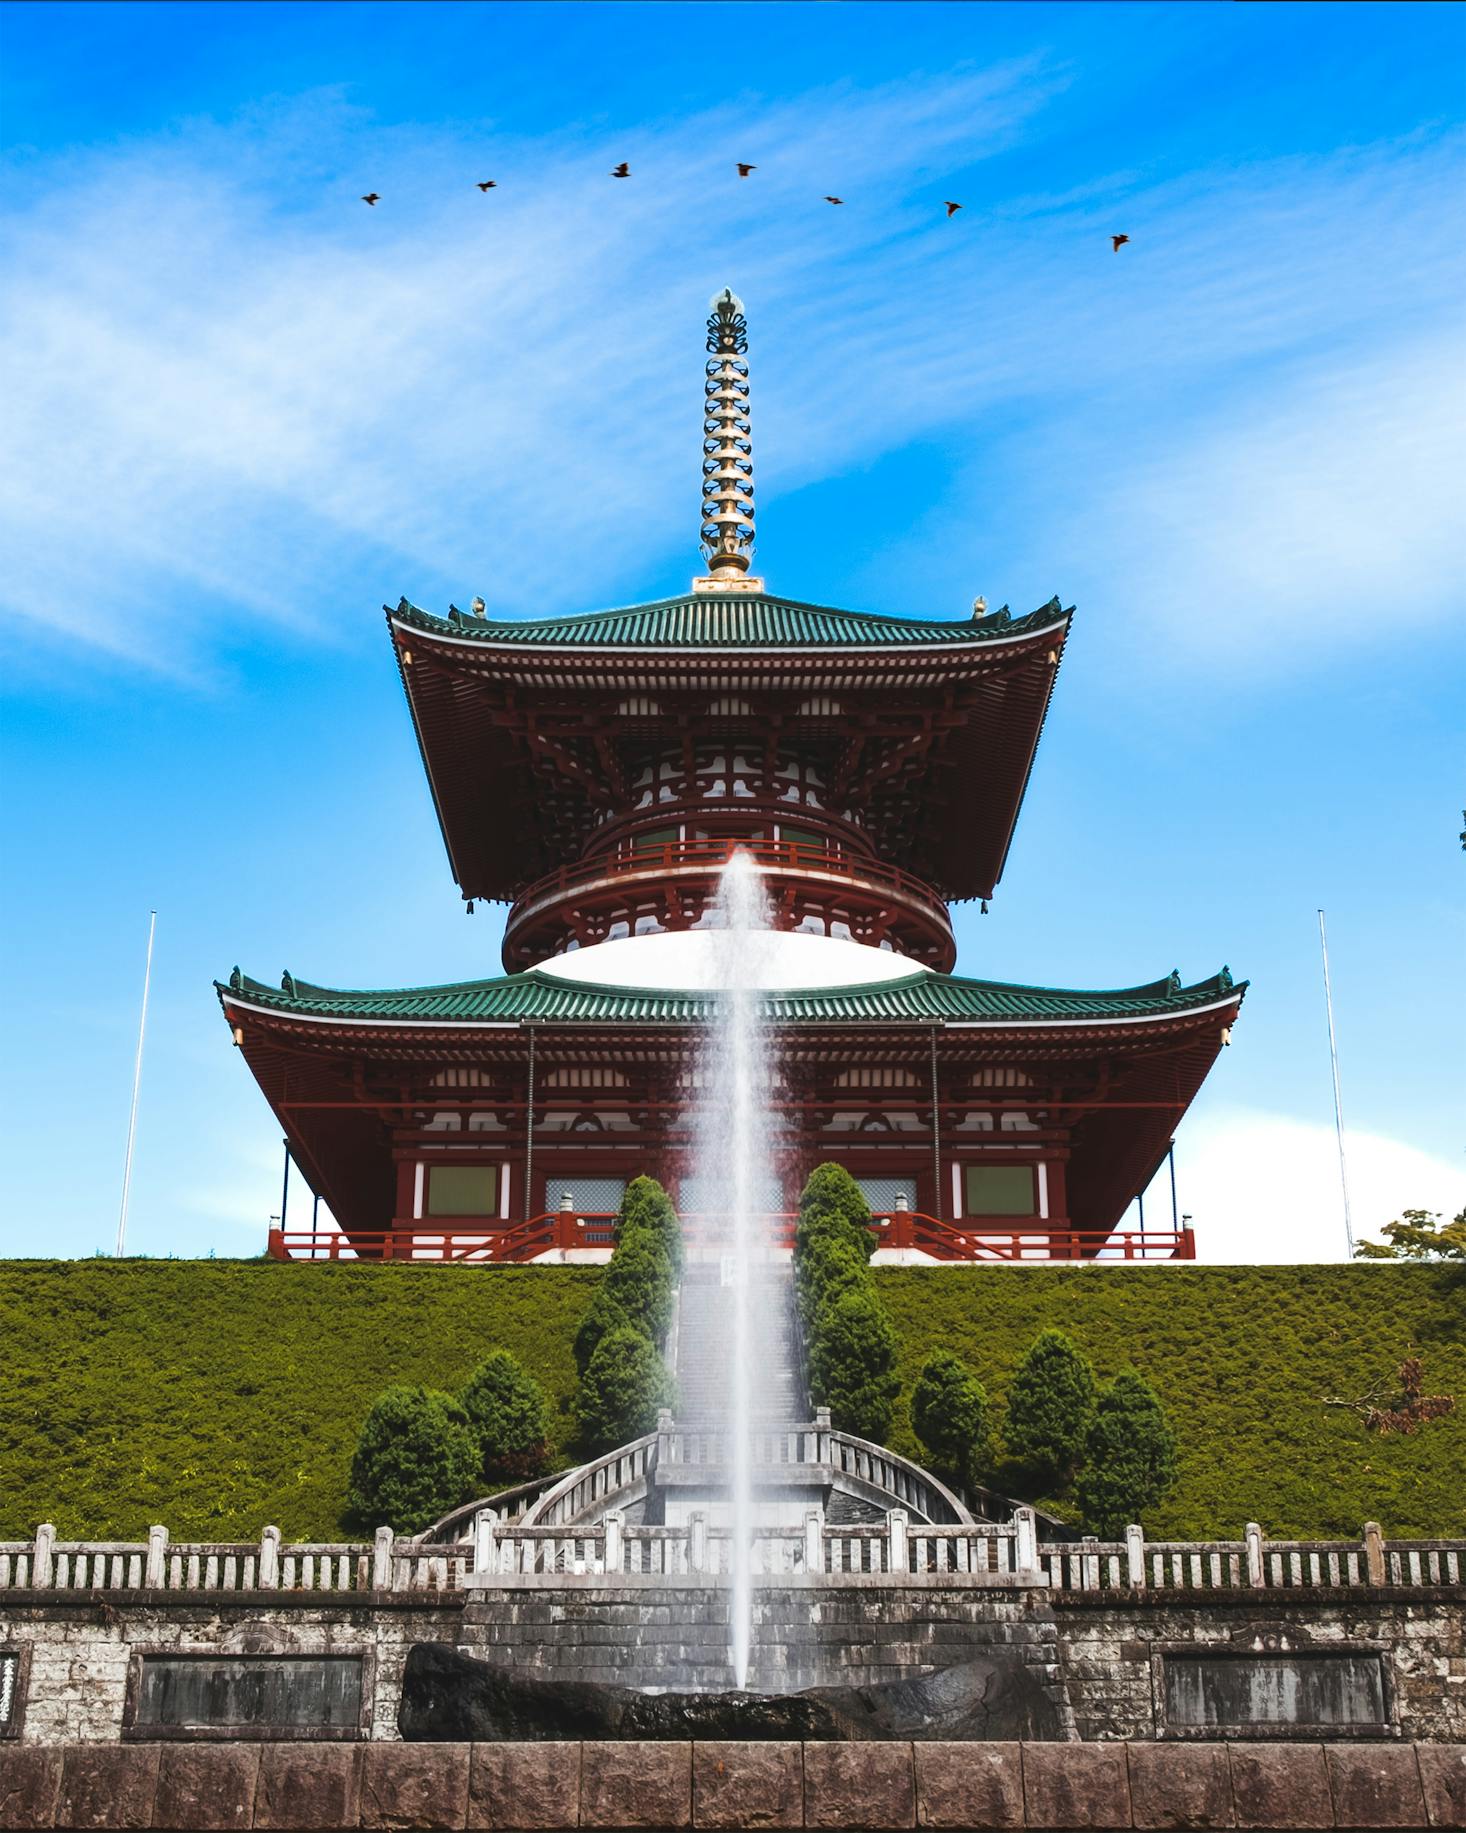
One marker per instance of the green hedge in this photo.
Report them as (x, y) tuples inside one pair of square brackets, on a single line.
[(1239, 1357), (215, 1396)]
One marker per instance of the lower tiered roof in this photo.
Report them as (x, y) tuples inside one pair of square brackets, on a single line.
[(920, 998)]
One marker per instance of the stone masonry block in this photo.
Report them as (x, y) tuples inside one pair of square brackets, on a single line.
[(969, 1785), (207, 1786), (1180, 1785), (1280, 1785), (414, 1785), (524, 1786), (636, 1785), (1076, 1785), (1375, 1785), (309, 1785), (747, 1785), (859, 1785), (107, 1785), (1443, 1776), (30, 1781)]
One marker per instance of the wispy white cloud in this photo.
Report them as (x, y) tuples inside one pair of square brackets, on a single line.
[(226, 373), (1265, 1188)]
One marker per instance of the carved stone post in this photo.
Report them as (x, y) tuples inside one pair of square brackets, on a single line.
[(382, 1560), (1135, 1556), (896, 1539), (269, 1568), (1025, 1540), (43, 1560), (484, 1561), (1089, 1566), (1253, 1537), (156, 1566), (698, 1542), (814, 1540), (615, 1548), (1374, 1554)]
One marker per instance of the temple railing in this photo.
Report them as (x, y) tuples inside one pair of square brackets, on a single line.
[(692, 868), (986, 1240), (894, 1551)]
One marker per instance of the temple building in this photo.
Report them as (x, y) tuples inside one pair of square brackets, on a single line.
[(595, 773)]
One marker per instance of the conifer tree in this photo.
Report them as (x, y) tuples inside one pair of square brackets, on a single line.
[(415, 1460), (510, 1419), (1050, 1408), (622, 1390), (949, 1411), (1129, 1456)]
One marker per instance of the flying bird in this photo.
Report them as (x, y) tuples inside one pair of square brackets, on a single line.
[(744, 170), (622, 171), (1118, 241), (371, 197), (952, 208), (488, 184), (834, 200)]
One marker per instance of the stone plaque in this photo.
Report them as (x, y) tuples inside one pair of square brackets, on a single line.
[(247, 1695), (1303, 1689)]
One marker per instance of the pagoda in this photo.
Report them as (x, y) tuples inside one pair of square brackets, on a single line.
[(595, 773)]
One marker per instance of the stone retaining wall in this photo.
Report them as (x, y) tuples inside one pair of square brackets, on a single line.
[(1099, 1654), (728, 1785)]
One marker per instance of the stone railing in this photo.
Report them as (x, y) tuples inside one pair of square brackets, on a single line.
[(896, 1551), (1252, 1563)]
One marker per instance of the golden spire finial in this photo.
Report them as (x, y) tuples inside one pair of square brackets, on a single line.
[(727, 464)]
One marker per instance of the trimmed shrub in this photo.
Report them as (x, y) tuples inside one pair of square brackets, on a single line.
[(1130, 1457), (415, 1460), (1050, 1408), (829, 1268), (640, 1280), (623, 1387), (949, 1411), (604, 1314), (852, 1363), (646, 1205), (832, 1200), (509, 1417)]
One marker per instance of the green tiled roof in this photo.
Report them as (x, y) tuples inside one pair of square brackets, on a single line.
[(725, 620), (919, 998)]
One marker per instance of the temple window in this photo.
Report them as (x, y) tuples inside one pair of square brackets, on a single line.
[(999, 1190), (463, 1190)]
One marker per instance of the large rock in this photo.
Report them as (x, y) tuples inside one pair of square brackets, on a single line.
[(451, 1697)]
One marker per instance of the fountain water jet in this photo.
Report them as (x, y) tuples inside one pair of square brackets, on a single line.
[(734, 1152)]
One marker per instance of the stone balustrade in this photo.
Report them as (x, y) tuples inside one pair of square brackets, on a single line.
[(897, 1550)]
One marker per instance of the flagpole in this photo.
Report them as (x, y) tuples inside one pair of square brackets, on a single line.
[(137, 1077), (1328, 997)]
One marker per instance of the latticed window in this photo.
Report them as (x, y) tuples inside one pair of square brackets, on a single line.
[(885, 1193), (589, 1196)]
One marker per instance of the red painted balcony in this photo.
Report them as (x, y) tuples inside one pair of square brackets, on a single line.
[(565, 1232), (667, 885)]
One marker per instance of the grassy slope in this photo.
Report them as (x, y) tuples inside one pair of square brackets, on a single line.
[(215, 1396), (1240, 1356)]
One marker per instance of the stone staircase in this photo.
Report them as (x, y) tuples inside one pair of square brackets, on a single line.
[(705, 1348)]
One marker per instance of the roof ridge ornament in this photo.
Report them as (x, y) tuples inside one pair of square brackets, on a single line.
[(727, 448)]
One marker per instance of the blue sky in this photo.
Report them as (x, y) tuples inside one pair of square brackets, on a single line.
[(244, 410)]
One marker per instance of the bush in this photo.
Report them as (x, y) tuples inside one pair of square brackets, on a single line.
[(1050, 1407), (830, 1268), (852, 1361), (949, 1411), (1129, 1456), (415, 1460), (640, 1280), (604, 1314), (509, 1417), (832, 1200), (624, 1386), (646, 1205)]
